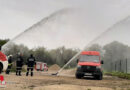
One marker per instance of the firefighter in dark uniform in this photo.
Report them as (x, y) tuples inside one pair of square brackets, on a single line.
[(30, 64), (19, 64), (0, 65), (9, 64)]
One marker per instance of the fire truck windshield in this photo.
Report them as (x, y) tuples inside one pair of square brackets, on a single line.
[(89, 58)]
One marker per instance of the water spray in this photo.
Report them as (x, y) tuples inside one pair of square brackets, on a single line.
[(90, 43), (43, 21)]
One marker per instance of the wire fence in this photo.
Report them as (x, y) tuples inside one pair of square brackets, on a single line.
[(118, 66)]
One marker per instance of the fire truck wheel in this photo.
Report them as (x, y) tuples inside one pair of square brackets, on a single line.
[(99, 77), (78, 76)]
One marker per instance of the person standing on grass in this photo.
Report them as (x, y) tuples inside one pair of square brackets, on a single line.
[(30, 64)]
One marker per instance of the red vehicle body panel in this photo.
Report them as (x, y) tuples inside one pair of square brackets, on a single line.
[(89, 64), (90, 53), (2, 57), (94, 53), (41, 66)]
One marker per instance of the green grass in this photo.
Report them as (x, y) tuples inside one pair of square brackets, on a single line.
[(118, 74)]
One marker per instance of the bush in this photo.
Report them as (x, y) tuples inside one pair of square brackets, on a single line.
[(119, 74)]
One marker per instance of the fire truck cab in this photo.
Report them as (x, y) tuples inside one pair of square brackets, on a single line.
[(89, 63)]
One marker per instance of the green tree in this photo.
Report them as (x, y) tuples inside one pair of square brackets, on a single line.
[(14, 49), (115, 51), (42, 55), (3, 41), (95, 47), (62, 55)]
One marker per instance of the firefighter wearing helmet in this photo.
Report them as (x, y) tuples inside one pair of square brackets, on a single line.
[(19, 64), (30, 64)]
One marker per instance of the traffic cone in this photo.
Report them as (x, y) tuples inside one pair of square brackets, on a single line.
[(2, 82)]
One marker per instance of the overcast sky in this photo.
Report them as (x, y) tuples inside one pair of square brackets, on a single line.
[(18, 15), (94, 16)]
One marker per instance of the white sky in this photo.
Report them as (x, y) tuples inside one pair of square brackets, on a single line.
[(97, 15), (18, 15)]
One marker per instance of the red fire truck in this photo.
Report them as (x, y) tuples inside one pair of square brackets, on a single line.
[(89, 63), (40, 66)]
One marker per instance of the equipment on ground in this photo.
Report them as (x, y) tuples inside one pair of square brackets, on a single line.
[(55, 74)]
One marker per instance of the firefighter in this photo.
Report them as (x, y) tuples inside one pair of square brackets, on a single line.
[(9, 64), (19, 64), (0, 47), (0, 65), (30, 64)]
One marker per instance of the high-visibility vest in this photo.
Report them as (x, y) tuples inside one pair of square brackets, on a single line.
[(9, 64)]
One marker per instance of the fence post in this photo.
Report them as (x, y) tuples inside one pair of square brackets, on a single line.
[(111, 66), (115, 66), (126, 65), (120, 65)]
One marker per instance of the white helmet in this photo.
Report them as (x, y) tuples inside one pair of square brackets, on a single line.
[(10, 55)]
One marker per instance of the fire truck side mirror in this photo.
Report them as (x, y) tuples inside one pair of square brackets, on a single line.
[(102, 62), (77, 60)]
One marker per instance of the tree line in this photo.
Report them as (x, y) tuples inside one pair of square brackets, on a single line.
[(58, 56), (110, 52)]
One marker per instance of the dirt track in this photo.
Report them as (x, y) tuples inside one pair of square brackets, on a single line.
[(42, 82)]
